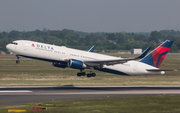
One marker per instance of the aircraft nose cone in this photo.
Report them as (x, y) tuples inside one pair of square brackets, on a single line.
[(8, 47)]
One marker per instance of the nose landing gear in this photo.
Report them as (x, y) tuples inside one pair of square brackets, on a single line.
[(17, 61)]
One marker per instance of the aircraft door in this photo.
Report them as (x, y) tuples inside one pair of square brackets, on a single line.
[(25, 47), (135, 67)]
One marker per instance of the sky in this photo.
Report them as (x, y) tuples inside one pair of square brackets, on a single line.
[(90, 15)]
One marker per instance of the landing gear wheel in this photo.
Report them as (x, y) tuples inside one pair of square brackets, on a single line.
[(78, 74), (17, 61), (83, 73), (93, 74), (88, 75)]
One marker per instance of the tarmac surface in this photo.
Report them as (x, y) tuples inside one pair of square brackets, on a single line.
[(27, 94)]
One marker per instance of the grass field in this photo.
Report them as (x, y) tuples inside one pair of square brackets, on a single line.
[(138, 104), (38, 73)]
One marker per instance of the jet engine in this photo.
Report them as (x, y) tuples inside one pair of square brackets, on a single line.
[(76, 64), (60, 65)]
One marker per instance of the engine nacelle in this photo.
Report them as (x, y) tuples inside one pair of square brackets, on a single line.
[(76, 64), (60, 65)]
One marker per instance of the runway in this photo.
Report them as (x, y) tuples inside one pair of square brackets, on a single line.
[(20, 95)]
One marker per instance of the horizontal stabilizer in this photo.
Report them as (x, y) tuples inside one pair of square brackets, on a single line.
[(144, 53), (156, 70)]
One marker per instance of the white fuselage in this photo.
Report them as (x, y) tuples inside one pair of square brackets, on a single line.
[(55, 53)]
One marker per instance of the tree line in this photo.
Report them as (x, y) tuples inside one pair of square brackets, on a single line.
[(102, 40)]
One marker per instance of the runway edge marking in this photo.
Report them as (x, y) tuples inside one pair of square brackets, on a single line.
[(17, 91)]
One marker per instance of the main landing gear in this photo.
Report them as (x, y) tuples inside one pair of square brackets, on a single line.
[(91, 74), (17, 61), (81, 74), (88, 75)]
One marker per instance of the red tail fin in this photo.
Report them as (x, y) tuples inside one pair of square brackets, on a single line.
[(156, 57)]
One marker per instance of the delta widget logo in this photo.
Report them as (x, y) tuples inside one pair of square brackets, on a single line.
[(32, 45), (159, 55)]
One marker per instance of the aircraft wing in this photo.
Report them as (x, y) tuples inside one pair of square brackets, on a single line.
[(114, 61)]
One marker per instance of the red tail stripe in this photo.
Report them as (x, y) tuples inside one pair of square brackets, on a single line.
[(155, 56), (162, 58), (162, 49)]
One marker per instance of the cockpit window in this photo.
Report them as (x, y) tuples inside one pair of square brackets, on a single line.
[(15, 43)]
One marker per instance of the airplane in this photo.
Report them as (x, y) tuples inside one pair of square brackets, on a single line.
[(64, 57)]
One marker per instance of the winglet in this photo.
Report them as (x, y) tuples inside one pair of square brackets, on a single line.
[(92, 48), (144, 53)]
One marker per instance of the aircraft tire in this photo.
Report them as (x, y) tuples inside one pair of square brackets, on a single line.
[(78, 74), (88, 75), (83, 73), (93, 74), (17, 61)]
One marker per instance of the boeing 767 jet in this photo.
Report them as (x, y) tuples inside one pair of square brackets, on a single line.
[(63, 57)]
